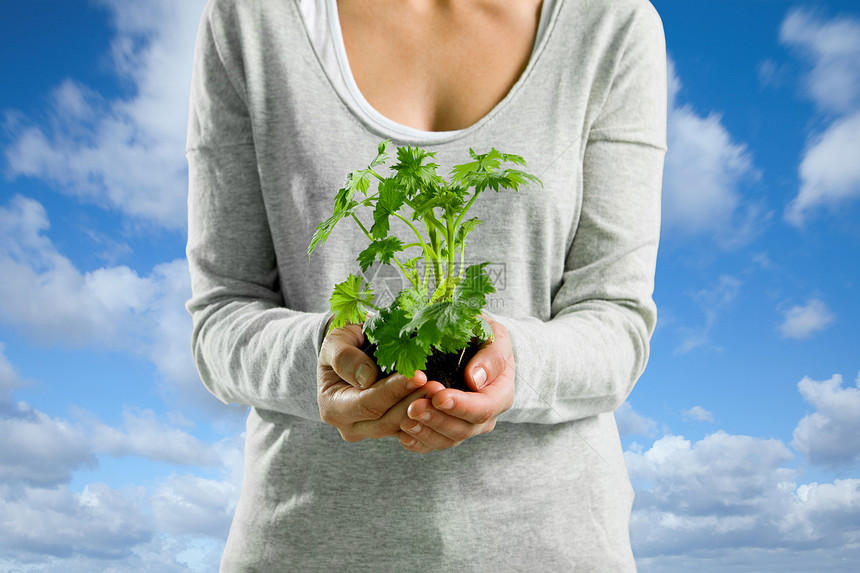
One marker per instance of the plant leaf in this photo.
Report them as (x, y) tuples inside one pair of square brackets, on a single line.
[(350, 302), (391, 199), (483, 163), (412, 173), (485, 172), (474, 288), (463, 231), (411, 300), (412, 272), (396, 351), (481, 329), (371, 323), (321, 233), (382, 250), (515, 159), (432, 322), (359, 180), (440, 290), (324, 229), (381, 153), (444, 324)]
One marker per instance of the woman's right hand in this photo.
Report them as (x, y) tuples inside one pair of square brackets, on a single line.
[(350, 397)]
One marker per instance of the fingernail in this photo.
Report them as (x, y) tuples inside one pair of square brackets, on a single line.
[(423, 417), (447, 404), (416, 428), (479, 375), (412, 384), (362, 375)]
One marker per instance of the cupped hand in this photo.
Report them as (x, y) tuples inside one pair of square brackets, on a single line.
[(351, 398), (448, 417)]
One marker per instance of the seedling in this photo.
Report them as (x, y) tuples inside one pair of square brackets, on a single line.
[(440, 309)]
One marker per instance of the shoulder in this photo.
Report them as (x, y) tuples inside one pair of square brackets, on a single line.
[(640, 8), (243, 16), (232, 7), (241, 25), (226, 12), (607, 29), (638, 17)]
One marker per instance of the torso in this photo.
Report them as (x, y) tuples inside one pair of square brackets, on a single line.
[(437, 65)]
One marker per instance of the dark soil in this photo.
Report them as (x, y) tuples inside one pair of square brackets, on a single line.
[(447, 369)]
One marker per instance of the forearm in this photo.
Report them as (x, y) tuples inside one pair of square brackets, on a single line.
[(258, 354), (248, 346), (576, 366), (587, 357)]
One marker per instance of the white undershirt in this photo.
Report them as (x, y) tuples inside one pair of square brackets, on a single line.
[(323, 24)]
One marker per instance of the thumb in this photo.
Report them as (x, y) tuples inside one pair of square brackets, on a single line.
[(491, 361), (341, 351), (487, 365)]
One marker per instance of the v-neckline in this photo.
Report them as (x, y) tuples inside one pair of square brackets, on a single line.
[(389, 128)]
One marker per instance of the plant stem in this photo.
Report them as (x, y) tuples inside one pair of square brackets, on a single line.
[(436, 249), (429, 250), (363, 228), (464, 211), (417, 233), (462, 258), (406, 274), (429, 218), (451, 235)]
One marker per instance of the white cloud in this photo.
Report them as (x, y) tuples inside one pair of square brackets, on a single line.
[(804, 321), (162, 554), (48, 527), (720, 295), (49, 299), (124, 154), (704, 506), (40, 450), (833, 50), (9, 378), (143, 435), (169, 341), (710, 476), (830, 436), (704, 169), (190, 505), (99, 522), (46, 296), (712, 299), (180, 527), (698, 413), (772, 74), (757, 559), (631, 422), (824, 511), (829, 172)]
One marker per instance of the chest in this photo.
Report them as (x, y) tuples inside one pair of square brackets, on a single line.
[(437, 66)]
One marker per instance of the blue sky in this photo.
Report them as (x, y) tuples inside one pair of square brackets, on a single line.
[(742, 437)]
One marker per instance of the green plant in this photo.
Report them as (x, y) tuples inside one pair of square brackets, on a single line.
[(441, 308)]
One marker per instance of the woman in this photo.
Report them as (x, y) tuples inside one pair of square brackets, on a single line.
[(288, 97)]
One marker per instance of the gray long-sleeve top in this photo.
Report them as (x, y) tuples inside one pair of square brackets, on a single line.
[(269, 143)]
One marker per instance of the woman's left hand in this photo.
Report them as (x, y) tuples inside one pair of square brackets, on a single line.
[(452, 416)]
